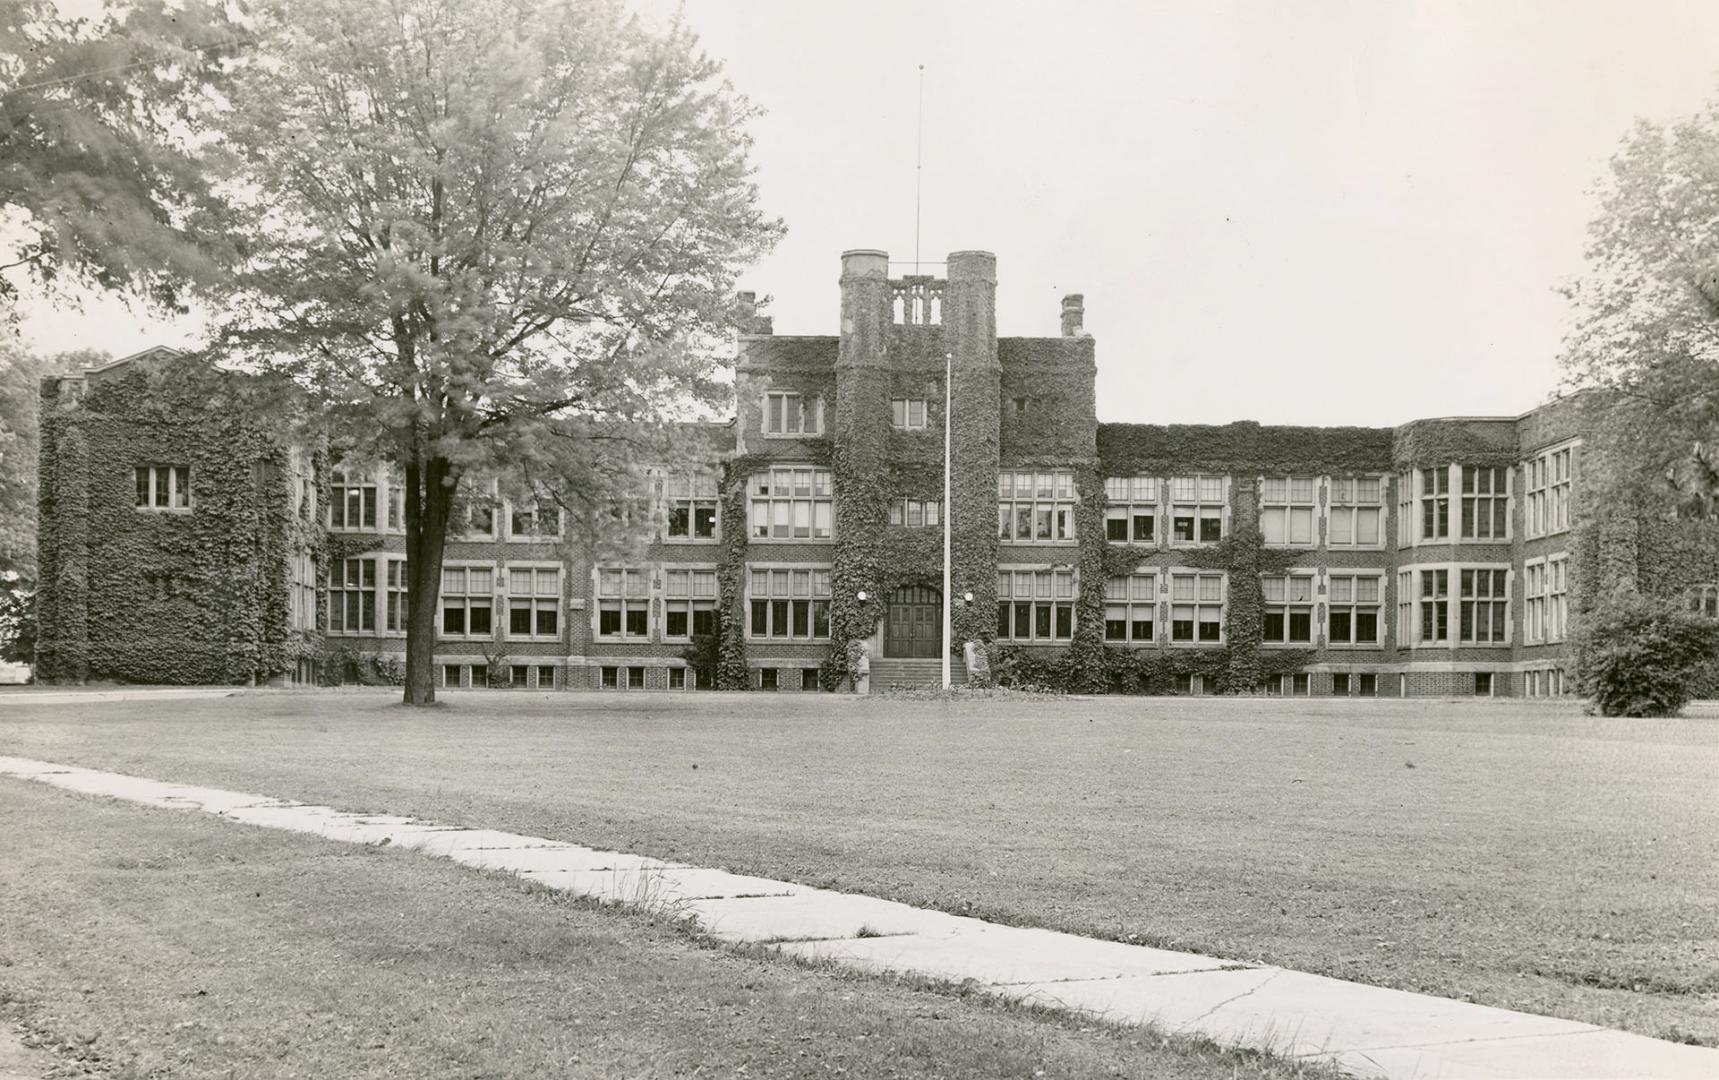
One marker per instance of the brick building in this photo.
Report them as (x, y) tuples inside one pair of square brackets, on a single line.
[(183, 540)]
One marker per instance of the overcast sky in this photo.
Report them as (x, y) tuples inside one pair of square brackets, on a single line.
[(1301, 212)]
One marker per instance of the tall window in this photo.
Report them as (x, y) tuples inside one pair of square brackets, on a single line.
[(1704, 600), (1197, 509), (1548, 477), (351, 502), (1035, 507), (690, 608), (1352, 617), (1406, 598), (397, 586), (1405, 515), (792, 504), (1357, 512), (1533, 595), (1485, 606), (1288, 608), (1557, 596), (787, 413), (1485, 503), (908, 414), (1435, 605), (466, 601), (691, 507), (915, 513), (1131, 509), (352, 596), (623, 603), (1131, 607), (162, 487), (1197, 607), (1035, 605), (790, 603), (533, 602), (1435, 504), (533, 518), (1286, 512), (396, 507)]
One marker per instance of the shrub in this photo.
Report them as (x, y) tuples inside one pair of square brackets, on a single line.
[(1643, 656)]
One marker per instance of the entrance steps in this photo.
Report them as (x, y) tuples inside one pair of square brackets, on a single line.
[(899, 673)]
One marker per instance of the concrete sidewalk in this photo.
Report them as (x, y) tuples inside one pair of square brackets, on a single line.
[(1366, 1030)]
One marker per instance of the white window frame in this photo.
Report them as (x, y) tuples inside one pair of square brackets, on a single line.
[(343, 484), (1052, 589), (1548, 481), (782, 587), (690, 493), (1355, 606), (929, 513), (1126, 499), (808, 411), (1290, 496), (1500, 575), (1466, 498), (762, 501), (632, 592), (1291, 607), (1557, 596), (1425, 499), (1199, 498), (467, 595), (1057, 498), (1345, 502), (1199, 601), (901, 413), (171, 481), (1131, 594), (365, 592), (536, 600), (689, 600), (532, 512), (392, 574), (1534, 601)]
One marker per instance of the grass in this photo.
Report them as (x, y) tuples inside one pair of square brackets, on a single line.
[(1518, 855), (137, 943)]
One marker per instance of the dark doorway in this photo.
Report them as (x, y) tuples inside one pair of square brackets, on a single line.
[(913, 625)]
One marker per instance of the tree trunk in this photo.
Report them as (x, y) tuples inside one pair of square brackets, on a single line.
[(428, 498)]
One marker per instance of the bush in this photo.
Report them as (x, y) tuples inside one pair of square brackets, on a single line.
[(1643, 656)]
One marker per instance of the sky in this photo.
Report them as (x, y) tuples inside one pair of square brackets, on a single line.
[(1310, 212)]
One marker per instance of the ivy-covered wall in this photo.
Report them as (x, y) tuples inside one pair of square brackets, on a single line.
[(197, 595)]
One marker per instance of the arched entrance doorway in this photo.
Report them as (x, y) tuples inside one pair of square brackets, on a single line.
[(913, 623)]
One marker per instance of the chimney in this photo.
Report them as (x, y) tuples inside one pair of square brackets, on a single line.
[(1073, 315), (750, 321)]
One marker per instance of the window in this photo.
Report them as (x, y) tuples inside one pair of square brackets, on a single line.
[(790, 603), (1357, 512), (1287, 508), (1131, 509), (397, 586), (767, 678), (451, 675), (677, 678), (1287, 685), (809, 679), (1435, 605), (1485, 606), (533, 518), (533, 602), (1704, 600), (1369, 684), (352, 596), (610, 678), (1035, 507), (788, 413), (1197, 608), (545, 676), (1340, 684), (623, 603), (908, 414), (1131, 607), (915, 514), (635, 678), (1534, 601), (1352, 617), (162, 487), (1197, 509), (1557, 596), (1485, 503), (1483, 684), (792, 504), (351, 502), (518, 675), (690, 608), (1405, 608), (466, 600), (1435, 504), (1548, 479), (1035, 605), (691, 503), (1406, 510), (1288, 608)]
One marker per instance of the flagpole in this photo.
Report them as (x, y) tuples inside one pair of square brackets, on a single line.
[(948, 400)]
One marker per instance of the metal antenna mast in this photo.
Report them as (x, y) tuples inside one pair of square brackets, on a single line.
[(918, 166)]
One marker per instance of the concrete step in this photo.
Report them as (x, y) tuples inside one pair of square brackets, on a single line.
[(887, 672)]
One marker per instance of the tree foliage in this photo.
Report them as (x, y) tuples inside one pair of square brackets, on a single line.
[(99, 121), (490, 237), (1642, 656)]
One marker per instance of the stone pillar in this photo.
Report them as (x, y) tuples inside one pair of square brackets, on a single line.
[(860, 457), (1073, 315), (970, 335)]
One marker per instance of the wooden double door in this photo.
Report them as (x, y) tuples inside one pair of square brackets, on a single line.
[(913, 623)]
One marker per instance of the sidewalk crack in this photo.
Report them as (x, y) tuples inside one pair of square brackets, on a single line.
[(1232, 1000)]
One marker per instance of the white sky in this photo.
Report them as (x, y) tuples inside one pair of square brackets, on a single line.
[(1298, 212)]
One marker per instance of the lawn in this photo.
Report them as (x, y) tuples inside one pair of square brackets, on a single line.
[(1519, 855), (138, 944)]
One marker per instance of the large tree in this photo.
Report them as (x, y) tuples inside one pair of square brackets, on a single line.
[(488, 236), (99, 123)]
